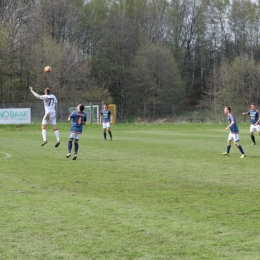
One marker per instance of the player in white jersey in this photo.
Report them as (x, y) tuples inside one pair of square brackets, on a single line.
[(49, 101)]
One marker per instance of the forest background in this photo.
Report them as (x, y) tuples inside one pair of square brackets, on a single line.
[(191, 54)]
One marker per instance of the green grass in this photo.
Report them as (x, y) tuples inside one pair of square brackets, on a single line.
[(154, 192)]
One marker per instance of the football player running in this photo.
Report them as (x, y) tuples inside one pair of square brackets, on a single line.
[(234, 132)]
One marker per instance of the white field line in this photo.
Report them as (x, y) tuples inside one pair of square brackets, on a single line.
[(7, 155)]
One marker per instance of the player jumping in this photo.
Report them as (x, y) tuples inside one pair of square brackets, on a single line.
[(79, 119), (49, 101)]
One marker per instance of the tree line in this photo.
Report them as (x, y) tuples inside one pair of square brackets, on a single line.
[(130, 52)]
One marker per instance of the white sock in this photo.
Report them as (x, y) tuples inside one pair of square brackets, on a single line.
[(44, 134), (57, 134)]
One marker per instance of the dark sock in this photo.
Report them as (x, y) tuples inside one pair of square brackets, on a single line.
[(228, 148), (69, 146), (110, 133), (253, 138), (76, 147), (240, 149), (105, 135)]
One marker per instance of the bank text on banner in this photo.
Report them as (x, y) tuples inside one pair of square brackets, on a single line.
[(15, 116)]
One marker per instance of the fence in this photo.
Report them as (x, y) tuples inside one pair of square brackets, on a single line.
[(63, 110), (139, 113), (181, 114)]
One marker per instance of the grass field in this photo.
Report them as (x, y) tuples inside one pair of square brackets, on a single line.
[(155, 192)]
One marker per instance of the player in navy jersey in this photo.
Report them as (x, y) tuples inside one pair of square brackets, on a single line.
[(49, 101), (106, 118), (254, 117), (79, 119), (234, 132)]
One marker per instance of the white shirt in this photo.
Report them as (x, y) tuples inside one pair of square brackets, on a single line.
[(48, 100)]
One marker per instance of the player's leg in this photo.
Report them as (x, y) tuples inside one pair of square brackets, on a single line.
[(76, 148), (71, 138), (228, 147), (57, 134), (105, 131), (236, 142), (45, 122), (253, 138), (230, 138), (240, 149), (252, 130), (55, 128), (69, 148), (44, 135), (110, 133), (46, 117)]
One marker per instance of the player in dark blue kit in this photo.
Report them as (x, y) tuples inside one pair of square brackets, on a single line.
[(234, 132), (254, 117), (106, 119), (79, 119)]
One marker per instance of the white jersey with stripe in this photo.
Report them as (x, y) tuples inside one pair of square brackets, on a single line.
[(48, 100)]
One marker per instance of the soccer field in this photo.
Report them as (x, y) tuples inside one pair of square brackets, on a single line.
[(159, 191)]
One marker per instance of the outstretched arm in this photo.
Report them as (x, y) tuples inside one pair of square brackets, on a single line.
[(34, 93)]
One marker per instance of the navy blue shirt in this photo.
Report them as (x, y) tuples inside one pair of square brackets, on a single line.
[(254, 116), (106, 115), (78, 119), (234, 128)]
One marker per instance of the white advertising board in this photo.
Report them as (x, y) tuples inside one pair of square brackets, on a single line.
[(9, 116)]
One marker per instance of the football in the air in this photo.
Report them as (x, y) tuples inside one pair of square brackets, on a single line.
[(47, 69)]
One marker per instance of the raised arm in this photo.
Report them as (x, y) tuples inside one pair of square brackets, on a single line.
[(245, 113), (34, 93)]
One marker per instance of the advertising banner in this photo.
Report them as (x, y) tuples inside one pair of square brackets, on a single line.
[(11, 116)]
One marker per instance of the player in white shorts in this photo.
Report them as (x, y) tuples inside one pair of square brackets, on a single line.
[(106, 119), (79, 119), (106, 125), (255, 119), (49, 101), (234, 132), (233, 136)]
